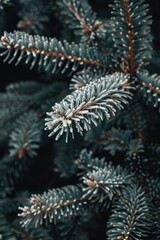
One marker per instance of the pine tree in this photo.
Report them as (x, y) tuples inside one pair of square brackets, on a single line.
[(80, 143)]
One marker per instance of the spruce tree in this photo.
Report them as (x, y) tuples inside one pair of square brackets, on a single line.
[(79, 139)]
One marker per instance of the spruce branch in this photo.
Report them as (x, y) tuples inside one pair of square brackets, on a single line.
[(64, 157), (131, 217), (135, 146), (135, 119), (74, 229), (115, 140), (49, 53), (79, 81), (131, 33), (53, 206), (81, 18), (107, 72), (26, 137), (87, 163), (98, 100), (149, 86), (33, 16), (8, 115), (31, 233), (105, 182), (6, 232), (23, 88), (17, 99), (11, 173)]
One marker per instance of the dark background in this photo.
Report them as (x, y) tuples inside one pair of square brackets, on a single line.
[(8, 21)]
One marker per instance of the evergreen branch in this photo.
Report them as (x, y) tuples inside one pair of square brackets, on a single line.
[(33, 16), (139, 165), (51, 54), (153, 185), (134, 119), (136, 161), (23, 88), (26, 136), (31, 233), (54, 205), (80, 17), (17, 99), (99, 99), (65, 155), (153, 152), (79, 81), (8, 115), (131, 32), (87, 163), (105, 182), (74, 229), (5, 232), (7, 206), (94, 137), (131, 217), (11, 173), (106, 71), (135, 146), (149, 88), (116, 140), (8, 102), (156, 230), (22, 234)]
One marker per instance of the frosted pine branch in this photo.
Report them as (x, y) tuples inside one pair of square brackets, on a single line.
[(99, 100)]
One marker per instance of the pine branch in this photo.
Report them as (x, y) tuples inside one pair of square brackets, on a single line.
[(131, 33), (55, 205), (81, 18), (131, 217), (51, 54), (98, 100)]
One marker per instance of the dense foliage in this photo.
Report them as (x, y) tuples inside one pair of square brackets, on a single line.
[(79, 139)]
